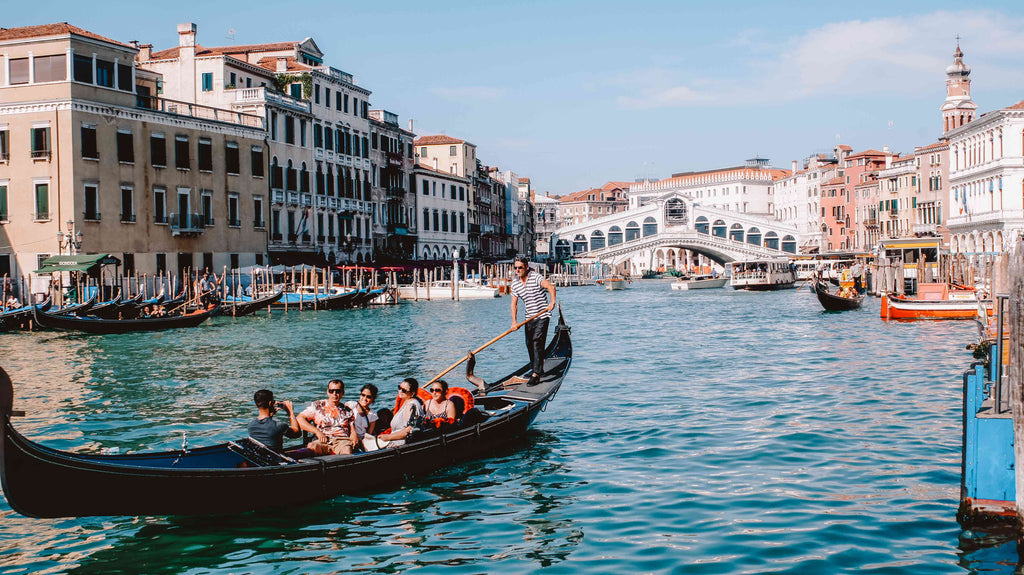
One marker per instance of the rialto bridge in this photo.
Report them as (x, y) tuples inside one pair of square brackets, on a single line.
[(675, 232)]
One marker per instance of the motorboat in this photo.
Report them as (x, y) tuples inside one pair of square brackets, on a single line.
[(936, 301), (703, 281)]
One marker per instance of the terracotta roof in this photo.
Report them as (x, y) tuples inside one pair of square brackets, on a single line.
[(226, 50), (435, 140), (291, 64), (58, 29), (933, 146), (835, 181), (1017, 106), (524, 180), (616, 186), (844, 147), (871, 152)]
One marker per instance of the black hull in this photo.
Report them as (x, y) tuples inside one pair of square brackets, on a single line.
[(832, 302), (111, 326), (240, 309), (21, 318), (122, 310), (767, 287), (206, 481)]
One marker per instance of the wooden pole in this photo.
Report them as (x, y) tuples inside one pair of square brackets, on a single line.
[(484, 346)]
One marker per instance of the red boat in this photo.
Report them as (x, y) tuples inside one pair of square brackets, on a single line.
[(936, 301)]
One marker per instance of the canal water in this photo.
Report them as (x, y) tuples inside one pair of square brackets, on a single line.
[(711, 431)]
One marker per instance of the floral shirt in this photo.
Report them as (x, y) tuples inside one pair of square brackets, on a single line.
[(333, 421)]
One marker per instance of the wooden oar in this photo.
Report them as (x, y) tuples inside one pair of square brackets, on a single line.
[(482, 347)]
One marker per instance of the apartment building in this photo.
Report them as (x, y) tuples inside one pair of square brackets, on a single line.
[(585, 205), (391, 156), (90, 145), (442, 199), (747, 188)]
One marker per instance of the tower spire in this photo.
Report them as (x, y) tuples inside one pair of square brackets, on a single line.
[(958, 109)]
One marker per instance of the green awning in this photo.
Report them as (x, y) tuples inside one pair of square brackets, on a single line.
[(74, 263)]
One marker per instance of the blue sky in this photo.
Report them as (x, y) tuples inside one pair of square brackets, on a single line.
[(573, 94)]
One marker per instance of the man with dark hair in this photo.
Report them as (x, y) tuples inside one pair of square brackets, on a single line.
[(331, 421), (267, 431), (529, 286)]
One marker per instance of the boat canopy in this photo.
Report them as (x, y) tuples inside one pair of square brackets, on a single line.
[(70, 263)]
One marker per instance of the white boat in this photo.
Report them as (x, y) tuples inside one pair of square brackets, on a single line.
[(614, 283), (762, 275), (699, 282), (442, 289)]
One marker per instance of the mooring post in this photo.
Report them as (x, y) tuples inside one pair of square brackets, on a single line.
[(1015, 373)]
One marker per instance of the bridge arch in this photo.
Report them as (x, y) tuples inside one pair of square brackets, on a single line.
[(736, 232), (596, 240), (632, 231), (650, 226), (701, 224), (614, 236)]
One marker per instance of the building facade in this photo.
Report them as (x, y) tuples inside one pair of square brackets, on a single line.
[(391, 156), (442, 203)]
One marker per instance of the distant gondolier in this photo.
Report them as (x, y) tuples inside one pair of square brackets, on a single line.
[(530, 287)]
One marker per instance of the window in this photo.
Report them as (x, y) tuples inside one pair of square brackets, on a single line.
[(128, 259), (256, 157), (161, 264), (82, 68), (124, 78), (437, 226), (157, 150), (159, 206), (89, 148), (234, 80), (92, 209), (289, 130), (41, 143), (337, 102), (302, 133), (3, 202), (451, 151), (125, 147), (207, 81), (19, 71), (207, 205), (104, 73), (316, 94), (257, 210), (127, 204), (426, 219), (233, 219), (233, 259), (423, 152), (43, 201), (205, 155), (231, 161), (273, 126), (181, 160), (50, 68), (5, 150), (327, 98), (346, 103), (366, 147), (444, 221), (296, 90), (275, 224)]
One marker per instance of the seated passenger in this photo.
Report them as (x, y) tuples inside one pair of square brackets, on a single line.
[(331, 421), (264, 428), (439, 410), (405, 420), (365, 418)]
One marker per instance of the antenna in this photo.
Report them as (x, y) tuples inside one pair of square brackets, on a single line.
[(231, 34)]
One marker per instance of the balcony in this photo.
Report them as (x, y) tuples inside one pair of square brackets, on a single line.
[(128, 218), (261, 95), (307, 199), (293, 198), (321, 201), (894, 212), (336, 74), (332, 203), (41, 155), (187, 224), (277, 196), (178, 108)]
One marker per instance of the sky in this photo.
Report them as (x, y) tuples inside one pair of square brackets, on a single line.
[(572, 94)]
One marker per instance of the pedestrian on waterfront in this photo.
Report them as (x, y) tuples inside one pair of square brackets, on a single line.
[(264, 428), (530, 287), (331, 421), (13, 303), (365, 418)]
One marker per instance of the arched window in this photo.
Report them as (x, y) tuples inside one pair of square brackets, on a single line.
[(754, 236), (789, 244), (615, 236), (650, 226), (718, 229), (736, 233), (675, 212), (426, 252), (701, 223), (596, 240), (579, 244), (771, 240), (632, 231), (562, 249)]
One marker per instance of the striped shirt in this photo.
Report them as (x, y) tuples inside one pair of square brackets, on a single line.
[(531, 293)]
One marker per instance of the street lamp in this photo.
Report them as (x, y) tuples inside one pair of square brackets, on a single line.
[(348, 246), (69, 239)]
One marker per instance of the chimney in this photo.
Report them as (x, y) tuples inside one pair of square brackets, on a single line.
[(435, 163), (145, 52), (187, 36), (410, 125), (282, 65), (186, 89), (794, 166)]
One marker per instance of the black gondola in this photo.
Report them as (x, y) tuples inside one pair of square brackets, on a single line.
[(79, 308), (126, 309), (238, 309), (20, 318), (108, 326), (833, 302), (212, 480)]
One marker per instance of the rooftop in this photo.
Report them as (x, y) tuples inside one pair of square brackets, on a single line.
[(58, 29)]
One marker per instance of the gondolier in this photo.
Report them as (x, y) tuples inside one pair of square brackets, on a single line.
[(530, 287)]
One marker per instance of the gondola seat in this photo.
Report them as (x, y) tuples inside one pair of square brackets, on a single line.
[(257, 454)]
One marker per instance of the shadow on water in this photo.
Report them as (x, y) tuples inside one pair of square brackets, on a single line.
[(434, 520), (993, 551)]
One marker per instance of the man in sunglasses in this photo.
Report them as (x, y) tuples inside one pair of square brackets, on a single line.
[(538, 295), (331, 421)]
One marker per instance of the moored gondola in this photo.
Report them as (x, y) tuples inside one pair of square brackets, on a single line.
[(126, 309), (110, 326), (79, 308), (20, 318), (226, 479), (833, 302), (248, 306)]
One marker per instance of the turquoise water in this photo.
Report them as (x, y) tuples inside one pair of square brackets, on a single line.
[(697, 432)]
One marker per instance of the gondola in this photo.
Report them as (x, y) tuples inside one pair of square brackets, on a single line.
[(832, 302), (19, 318), (104, 306), (249, 306), (126, 309), (79, 308), (340, 300), (108, 326), (234, 478)]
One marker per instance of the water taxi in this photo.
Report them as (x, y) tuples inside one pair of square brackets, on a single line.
[(936, 301), (703, 281), (762, 275)]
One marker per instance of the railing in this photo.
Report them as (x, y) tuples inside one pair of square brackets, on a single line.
[(307, 199), (262, 95), (187, 224), (277, 196), (293, 198), (89, 216), (40, 154), (179, 108)]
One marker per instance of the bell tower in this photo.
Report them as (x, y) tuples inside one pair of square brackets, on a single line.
[(958, 109)]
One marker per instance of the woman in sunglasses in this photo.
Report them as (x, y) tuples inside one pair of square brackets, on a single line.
[(406, 419), (366, 418), (439, 409)]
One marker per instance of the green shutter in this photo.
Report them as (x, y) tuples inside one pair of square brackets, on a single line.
[(913, 202), (42, 201), (207, 82), (3, 202)]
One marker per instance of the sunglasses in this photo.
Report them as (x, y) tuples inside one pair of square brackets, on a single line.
[(335, 391), (404, 390), (520, 268), (369, 395), (436, 390)]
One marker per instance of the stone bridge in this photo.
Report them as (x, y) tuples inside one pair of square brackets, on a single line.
[(673, 231)]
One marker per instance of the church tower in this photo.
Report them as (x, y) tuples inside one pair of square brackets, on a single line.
[(958, 109)]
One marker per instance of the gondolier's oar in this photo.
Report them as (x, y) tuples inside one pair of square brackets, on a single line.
[(482, 347)]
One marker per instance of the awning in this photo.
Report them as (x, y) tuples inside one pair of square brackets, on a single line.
[(75, 263)]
